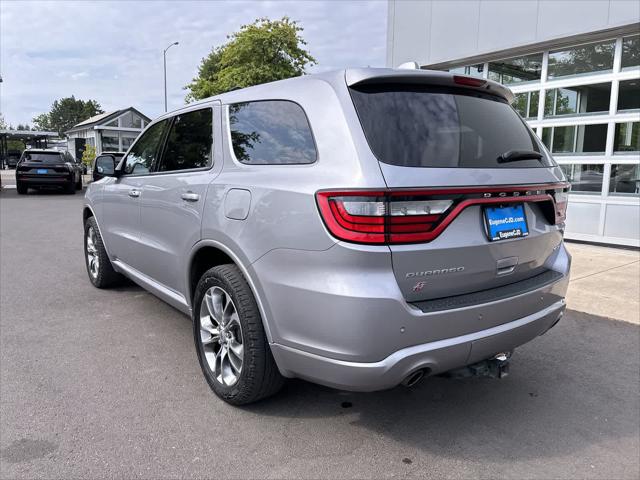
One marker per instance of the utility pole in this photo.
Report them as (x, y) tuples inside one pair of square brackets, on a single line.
[(165, 73)]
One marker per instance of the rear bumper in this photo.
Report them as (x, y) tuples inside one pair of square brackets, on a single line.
[(338, 318), (34, 181), (435, 357)]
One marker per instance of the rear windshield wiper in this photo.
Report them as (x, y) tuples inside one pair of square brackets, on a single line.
[(518, 155)]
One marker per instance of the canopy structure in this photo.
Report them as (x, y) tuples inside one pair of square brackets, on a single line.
[(34, 138)]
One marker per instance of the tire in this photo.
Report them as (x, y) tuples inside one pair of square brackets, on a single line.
[(70, 188), (258, 376), (79, 183), (21, 188), (104, 275)]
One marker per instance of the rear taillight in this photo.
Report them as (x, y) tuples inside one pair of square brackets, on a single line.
[(402, 216), (382, 217), (561, 197)]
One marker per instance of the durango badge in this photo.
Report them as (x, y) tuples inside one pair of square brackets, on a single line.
[(429, 273)]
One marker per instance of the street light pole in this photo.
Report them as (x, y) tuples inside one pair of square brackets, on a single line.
[(165, 73)]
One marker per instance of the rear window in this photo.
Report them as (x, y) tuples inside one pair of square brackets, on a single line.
[(426, 126), (44, 157)]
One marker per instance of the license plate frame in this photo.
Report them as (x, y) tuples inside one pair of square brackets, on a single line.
[(505, 221)]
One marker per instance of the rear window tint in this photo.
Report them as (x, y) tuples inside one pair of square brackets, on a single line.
[(44, 157), (271, 132), (423, 126)]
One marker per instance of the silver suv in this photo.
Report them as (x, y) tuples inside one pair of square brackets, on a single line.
[(359, 229)]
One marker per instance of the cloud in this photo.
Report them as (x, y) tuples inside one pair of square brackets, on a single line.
[(112, 51), (76, 76)]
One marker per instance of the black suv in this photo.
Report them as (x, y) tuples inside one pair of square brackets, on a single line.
[(48, 168)]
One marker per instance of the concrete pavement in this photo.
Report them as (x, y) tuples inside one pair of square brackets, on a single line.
[(605, 281)]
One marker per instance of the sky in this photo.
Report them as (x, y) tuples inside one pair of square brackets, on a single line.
[(111, 51)]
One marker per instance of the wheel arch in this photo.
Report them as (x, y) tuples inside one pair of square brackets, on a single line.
[(208, 254), (88, 212)]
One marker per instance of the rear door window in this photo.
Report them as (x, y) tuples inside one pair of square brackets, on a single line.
[(189, 142), (271, 132), (426, 126)]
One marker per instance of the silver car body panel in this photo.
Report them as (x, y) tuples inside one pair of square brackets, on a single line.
[(337, 313)]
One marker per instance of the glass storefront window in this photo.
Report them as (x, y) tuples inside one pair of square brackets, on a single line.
[(629, 95), (566, 101), (526, 104), (585, 178), (516, 70), (576, 139), (546, 137), (521, 103), (581, 100), (471, 70), (563, 139), (110, 143), (625, 180), (584, 59), (627, 138), (631, 51)]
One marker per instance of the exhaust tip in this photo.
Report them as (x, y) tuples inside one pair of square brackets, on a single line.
[(413, 378)]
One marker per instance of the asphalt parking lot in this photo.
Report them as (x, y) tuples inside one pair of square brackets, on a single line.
[(105, 383)]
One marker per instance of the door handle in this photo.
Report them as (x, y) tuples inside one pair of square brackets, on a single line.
[(134, 193), (190, 197)]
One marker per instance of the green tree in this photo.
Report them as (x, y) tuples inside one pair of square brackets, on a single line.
[(264, 51), (89, 155), (3, 123), (65, 113)]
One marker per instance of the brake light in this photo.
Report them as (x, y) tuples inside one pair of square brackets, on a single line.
[(468, 81), (385, 217)]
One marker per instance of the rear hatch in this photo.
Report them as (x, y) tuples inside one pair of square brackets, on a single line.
[(474, 201), (43, 164)]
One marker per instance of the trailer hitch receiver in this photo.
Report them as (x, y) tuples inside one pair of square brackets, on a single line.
[(495, 367)]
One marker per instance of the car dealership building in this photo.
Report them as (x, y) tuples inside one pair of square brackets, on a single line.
[(574, 68)]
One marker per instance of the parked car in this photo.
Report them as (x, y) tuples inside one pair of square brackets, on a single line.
[(11, 159), (47, 169), (98, 171), (360, 229)]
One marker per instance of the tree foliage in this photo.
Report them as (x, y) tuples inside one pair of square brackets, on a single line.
[(65, 113), (264, 51), (89, 155)]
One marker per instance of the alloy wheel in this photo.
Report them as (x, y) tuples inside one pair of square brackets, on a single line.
[(93, 259), (221, 336)]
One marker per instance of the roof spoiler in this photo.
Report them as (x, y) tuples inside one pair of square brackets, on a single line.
[(364, 76)]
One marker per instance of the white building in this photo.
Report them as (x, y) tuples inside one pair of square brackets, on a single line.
[(575, 69), (108, 132)]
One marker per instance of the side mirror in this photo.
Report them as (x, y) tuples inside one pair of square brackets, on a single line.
[(105, 166)]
